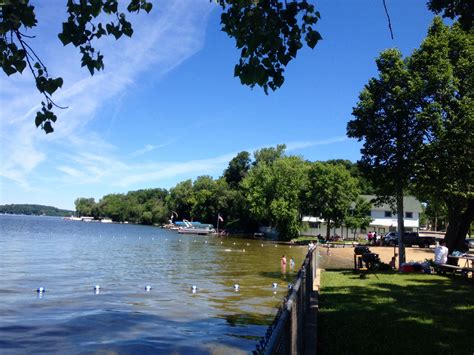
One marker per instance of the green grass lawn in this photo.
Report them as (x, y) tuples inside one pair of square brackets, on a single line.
[(395, 314)]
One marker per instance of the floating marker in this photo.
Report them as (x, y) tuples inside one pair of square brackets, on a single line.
[(243, 250), (147, 288), (261, 245), (276, 246), (180, 240), (97, 289), (222, 242), (193, 289), (206, 241), (236, 287), (274, 285), (41, 290), (274, 292), (290, 246), (248, 244)]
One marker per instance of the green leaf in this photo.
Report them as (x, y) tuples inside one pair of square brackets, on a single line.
[(312, 38), (47, 127), (8, 69), (147, 7), (39, 118), (20, 65)]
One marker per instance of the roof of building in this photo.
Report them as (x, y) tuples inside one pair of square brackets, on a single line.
[(410, 203)]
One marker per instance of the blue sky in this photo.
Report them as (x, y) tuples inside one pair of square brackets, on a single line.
[(167, 107)]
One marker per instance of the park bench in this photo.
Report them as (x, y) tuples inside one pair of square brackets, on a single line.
[(443, 268)]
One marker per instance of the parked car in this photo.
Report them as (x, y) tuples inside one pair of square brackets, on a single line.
[(470, 243), (409, 239)]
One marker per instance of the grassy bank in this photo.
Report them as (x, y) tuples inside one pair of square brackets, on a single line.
[(395, 314)]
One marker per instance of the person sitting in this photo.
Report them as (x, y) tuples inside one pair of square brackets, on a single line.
[(441, 253)]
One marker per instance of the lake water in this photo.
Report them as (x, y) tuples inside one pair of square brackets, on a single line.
[(69, 258)]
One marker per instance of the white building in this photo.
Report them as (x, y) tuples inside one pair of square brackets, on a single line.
[(383, 220)]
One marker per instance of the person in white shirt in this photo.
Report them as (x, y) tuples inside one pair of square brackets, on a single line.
[(441, 253)]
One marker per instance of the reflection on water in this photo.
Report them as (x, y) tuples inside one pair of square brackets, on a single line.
[(70, 258)]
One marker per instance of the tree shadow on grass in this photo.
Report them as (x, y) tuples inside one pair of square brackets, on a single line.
[(395, 313)]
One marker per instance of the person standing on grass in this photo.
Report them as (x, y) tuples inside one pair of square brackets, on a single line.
[(441, 253)]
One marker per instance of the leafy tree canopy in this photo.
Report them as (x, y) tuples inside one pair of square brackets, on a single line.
[(445, 167), (274, 193), (269, 155), (330, 193), (237, 169), (454, 9)]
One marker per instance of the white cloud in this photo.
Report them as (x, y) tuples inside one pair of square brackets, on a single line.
[(162, 40), (301, 145), (151, 147)]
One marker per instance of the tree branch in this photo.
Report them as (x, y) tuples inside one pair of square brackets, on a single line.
[(388, 18)]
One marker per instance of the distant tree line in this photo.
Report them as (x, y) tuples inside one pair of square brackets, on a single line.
[(37, 210), (271, 189)]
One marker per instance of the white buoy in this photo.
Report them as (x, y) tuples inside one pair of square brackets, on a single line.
[(290, 246), (206, 241), (96, 289), (261, 245), (234, 243), (41, 290), (274, 285), (236, 287), (147, 288), (243, 250), (193, 289), (274, 292), (180, 240), (248, 244), (276, 246), (222, 242)]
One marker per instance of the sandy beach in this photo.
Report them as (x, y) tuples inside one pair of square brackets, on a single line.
[(343, 258)]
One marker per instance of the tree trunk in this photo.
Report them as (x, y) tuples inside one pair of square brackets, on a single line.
[(459, 223), (328, 228), (400, 228)]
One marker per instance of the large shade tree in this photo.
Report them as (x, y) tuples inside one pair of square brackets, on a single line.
[(330, 193), (386, 122), (444, 172), (274, 194)]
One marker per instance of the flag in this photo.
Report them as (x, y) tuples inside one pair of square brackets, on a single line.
[(220, 218)]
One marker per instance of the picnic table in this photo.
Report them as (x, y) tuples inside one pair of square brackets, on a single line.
[(466, 269)]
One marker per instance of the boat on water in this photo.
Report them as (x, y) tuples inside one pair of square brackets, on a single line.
[(196, 230), (186, 227), (72, 218)]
